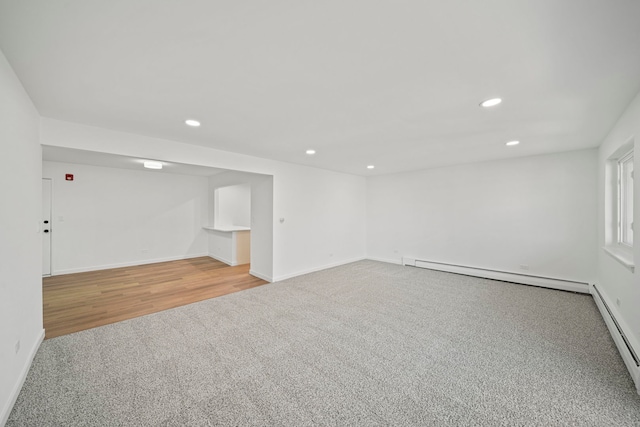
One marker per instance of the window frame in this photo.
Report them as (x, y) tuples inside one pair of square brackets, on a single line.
[(624, 222), (618, 195)]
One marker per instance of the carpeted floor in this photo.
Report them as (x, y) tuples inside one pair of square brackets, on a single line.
[(363, 344)]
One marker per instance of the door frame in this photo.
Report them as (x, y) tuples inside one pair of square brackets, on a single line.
[(50, 226)]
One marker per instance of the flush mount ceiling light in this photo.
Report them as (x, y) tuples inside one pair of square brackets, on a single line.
[(512, 143), (370, 167), (152, 165), (192, 122), (311, 152), (491, 102)]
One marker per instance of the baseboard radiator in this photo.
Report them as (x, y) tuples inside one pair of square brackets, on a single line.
[(505, 276), (628, 353)]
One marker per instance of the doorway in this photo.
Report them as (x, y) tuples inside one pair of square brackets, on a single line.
[(46, 227)]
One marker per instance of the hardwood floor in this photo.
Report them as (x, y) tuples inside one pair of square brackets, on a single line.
[(75, 302)]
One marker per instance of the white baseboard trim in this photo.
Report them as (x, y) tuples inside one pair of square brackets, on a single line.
[(261, 276), (314, 269), (505, 276), (617, 327), (125, 264), (387, 260), (221, 259), (6, 411)]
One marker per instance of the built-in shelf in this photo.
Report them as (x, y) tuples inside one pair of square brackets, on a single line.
[(226, 229), (230, 244)]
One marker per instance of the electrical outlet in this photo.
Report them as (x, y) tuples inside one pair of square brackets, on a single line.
[(524, 267), (17, 346)]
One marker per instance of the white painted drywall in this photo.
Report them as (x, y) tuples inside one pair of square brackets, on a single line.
[(537, 211), (220, 246), (21, 237), (262, 228), (319, 220), (324, 211), (233, 206), (109, 217), (615, 281)]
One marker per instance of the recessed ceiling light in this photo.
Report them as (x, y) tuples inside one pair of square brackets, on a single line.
[(152, 165), (193, 123), (491, 102), (311, 152), (370, 167), (512, 143)]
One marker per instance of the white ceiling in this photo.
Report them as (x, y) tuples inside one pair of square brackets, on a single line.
[(391, 83)]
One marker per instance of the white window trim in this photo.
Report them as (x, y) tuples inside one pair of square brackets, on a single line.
[(622, 200), (624, 257), (614, 246)]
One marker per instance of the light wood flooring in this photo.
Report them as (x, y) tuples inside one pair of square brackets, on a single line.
[(75, 302)]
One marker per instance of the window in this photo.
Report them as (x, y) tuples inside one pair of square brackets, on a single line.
[(619, 205), (625, 199)]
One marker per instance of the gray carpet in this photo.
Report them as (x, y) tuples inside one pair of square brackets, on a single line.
[(363, 344)]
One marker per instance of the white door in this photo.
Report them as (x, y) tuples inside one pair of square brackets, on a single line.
[(46, 227)]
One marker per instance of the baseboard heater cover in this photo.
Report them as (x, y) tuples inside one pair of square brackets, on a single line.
[(632, 352), (628, 353), (545, 282)]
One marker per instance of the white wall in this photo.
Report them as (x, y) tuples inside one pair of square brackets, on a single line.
[(233, 206), (324, 211), (538, 211), (20, 239), (324, 217), (221, 246), (109, 217), (615, 280), (262, 228)]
